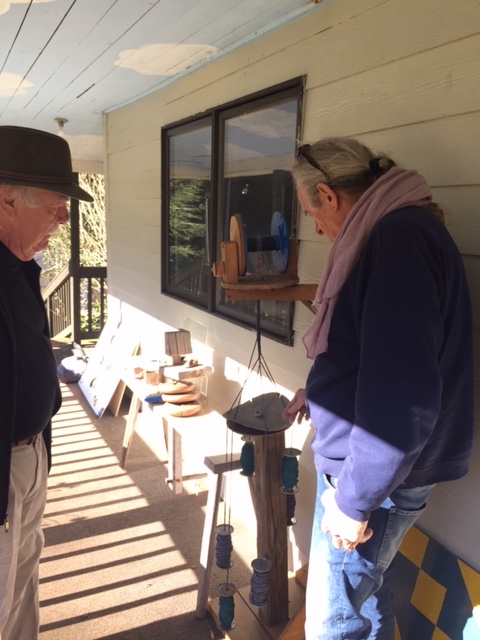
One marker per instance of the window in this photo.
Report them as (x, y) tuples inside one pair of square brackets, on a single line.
[(233, 160), (188, 196)]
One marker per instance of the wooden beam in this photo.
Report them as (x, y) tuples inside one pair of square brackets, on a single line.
[(298, 292)]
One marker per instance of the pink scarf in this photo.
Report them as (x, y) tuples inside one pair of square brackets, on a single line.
[(395, 189)]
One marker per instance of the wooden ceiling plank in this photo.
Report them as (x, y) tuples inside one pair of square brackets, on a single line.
[(69, 51)]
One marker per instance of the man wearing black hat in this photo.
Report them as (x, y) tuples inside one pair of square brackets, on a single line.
[(36, 184)]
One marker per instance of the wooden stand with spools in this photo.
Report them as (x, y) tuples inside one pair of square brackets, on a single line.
[(285, 596), (260, 419), (271, 621)]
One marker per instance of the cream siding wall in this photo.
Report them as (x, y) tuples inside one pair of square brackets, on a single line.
[(404, 77)]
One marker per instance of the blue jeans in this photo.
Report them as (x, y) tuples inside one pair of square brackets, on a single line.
[(350, 594)]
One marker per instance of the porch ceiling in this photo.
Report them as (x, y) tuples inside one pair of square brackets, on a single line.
[(76, 59)]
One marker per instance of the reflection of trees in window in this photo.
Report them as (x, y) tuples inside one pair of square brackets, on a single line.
[(187, 221), (188, 211)]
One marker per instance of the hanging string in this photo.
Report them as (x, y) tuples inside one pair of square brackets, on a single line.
[(260, 366), (223, 546), (290, 470), (260, 582), (226, 609), (229, 463), (247, 457), (291, 504)]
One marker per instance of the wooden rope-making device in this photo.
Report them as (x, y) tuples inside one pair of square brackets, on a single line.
[(271, 468), (240, 285)]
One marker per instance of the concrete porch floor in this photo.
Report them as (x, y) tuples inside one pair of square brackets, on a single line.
[(122, 551)]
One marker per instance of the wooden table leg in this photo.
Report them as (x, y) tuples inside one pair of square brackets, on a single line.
[(174, 465)]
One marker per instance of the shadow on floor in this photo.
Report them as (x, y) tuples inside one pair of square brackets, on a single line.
[(122, 552)]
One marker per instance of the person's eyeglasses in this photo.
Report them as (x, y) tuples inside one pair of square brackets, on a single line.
[(304, 151)]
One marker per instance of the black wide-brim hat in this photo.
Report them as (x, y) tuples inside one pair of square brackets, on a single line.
[(34, 158)]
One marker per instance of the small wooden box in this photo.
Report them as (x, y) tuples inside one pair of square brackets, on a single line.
[(177, 345)]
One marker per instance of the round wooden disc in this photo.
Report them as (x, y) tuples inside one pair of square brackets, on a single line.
[(237, 234), (182, 398), (176, 387), (259, 416), (182, 410)]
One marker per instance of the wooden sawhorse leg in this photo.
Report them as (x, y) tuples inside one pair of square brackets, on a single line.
[(130, 428), (217, 466)]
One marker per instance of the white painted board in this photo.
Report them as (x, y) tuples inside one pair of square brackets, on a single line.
[(106, 364)]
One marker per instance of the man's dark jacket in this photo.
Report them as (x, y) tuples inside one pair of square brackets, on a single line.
[(8, 377)]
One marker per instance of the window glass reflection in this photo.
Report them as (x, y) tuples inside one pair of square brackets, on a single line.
[(259, 148), (189, 197)]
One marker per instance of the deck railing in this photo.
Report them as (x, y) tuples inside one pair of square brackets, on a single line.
[(76, 304)]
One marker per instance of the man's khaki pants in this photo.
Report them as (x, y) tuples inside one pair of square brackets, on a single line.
[(21, 546)]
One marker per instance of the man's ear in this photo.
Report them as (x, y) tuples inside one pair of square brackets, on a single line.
[(7, 203), (328, 195)]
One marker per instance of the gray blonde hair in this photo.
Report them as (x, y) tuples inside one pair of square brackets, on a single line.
[(344, 164), (27, 195)]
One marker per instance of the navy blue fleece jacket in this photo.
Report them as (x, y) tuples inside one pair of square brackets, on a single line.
[(392, 398)]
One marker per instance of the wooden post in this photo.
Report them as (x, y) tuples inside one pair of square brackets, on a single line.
[(74, 267), (271, 512)]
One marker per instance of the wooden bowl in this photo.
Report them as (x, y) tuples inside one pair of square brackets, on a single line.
[(181, 398), (182, 410), (176, 387)]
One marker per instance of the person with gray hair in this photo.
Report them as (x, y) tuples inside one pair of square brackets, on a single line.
[(390, 390), (36, 184)]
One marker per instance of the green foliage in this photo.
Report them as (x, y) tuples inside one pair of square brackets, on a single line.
[(93, 232), (96, 323), (93, 251), (57, 254), (93, 236)]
